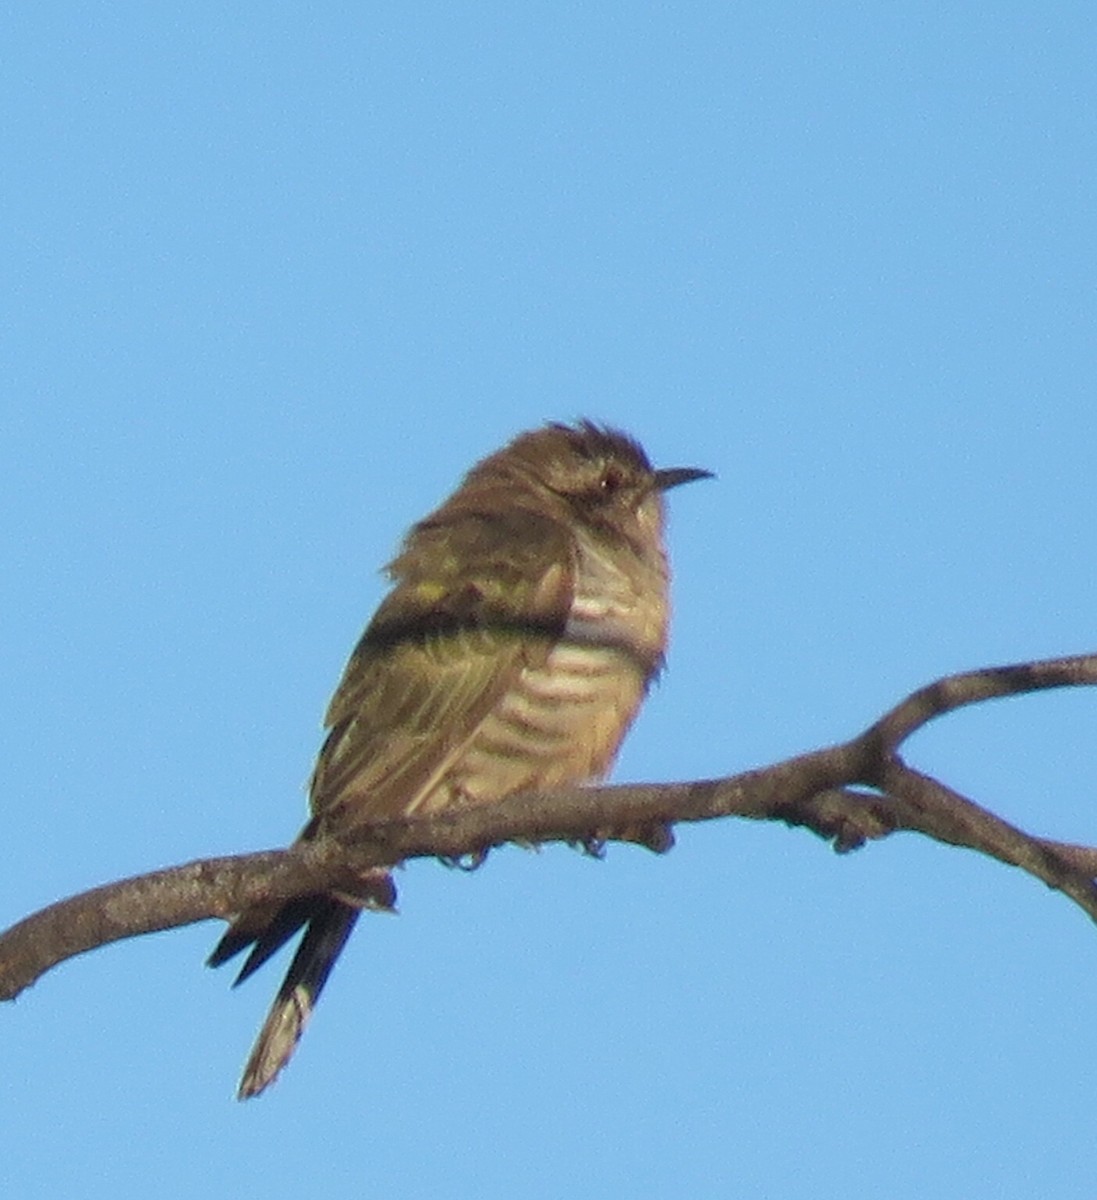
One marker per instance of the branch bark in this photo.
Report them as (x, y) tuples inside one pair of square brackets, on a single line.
[(848, 794)]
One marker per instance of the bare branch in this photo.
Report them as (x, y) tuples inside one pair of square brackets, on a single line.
[(847, 794), (973, 687)]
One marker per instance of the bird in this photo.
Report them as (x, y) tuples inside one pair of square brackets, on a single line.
[(526, 621)]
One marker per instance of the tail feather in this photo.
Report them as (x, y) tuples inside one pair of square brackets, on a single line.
[(328, 923), (329, 926), (266, 933)]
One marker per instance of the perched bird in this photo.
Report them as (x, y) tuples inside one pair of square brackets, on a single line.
[(527, 618)]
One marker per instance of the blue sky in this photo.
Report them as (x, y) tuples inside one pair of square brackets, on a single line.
[(274, 276)]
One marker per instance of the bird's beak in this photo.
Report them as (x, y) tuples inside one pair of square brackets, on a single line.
[(672, 477)]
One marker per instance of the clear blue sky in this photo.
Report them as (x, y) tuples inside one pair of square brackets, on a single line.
[(273, 276)]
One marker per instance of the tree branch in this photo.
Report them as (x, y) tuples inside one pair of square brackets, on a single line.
[(848, 794)]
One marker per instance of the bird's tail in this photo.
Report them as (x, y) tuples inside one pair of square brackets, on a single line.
[(328, 922)]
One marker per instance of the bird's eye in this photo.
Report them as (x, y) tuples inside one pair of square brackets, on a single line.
[(611, 481)]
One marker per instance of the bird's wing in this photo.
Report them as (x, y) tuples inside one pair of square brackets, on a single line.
[(478, 598)]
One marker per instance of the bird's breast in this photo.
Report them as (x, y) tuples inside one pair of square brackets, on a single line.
[(562, 719), (559, 723)]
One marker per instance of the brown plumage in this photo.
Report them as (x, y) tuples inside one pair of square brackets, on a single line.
[(527, 618)]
